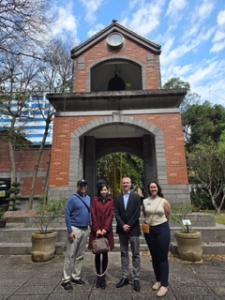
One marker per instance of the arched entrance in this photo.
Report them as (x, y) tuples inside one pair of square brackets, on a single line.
[(116, 133)]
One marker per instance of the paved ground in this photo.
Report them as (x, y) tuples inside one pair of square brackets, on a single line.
[(21, 279)]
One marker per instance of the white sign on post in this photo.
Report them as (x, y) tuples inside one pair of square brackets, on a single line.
[(186, 222)]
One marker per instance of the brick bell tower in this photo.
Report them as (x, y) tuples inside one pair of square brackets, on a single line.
[(118, 104)]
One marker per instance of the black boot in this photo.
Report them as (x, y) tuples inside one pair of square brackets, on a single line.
[(103, 282), (98, 282)]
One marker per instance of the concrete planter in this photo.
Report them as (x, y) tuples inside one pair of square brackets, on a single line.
[(43, 246), (189, 245)]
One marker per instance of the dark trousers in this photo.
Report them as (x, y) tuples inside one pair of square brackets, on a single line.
[(158, 241), (124, 246), (101, 264)]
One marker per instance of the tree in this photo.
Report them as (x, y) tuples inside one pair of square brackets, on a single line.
[(16, 87), (55, 76), (56, 71), (190, 98), (203, 121), (23, 23), (113, 167), (15, 196), (207, 167)]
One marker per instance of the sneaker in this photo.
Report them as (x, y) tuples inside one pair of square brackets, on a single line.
[(66, 286), (78, 282), (162, 291), (156, 286)]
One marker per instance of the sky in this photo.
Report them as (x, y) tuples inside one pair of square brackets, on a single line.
[(191, 34)]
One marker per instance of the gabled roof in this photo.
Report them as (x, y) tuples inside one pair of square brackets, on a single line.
[(115, 27)]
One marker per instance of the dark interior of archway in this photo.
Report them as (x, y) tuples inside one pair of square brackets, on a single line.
[(116, 75)]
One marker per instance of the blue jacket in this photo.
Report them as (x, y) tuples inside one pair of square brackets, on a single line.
[(76, 213)]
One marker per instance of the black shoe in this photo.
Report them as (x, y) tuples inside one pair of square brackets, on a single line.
[(122, 282), (66, 286), (98, 282), (137, 285), (103, 283), (78, 282)]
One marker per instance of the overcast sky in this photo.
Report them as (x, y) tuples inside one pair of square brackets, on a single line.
[(191, 34)]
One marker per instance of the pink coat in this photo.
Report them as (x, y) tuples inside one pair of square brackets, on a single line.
[(102, 213)]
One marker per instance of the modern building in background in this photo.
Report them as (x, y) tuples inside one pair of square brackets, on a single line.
[(33, 123)]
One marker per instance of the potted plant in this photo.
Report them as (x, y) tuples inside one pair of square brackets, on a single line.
[(43, 241), (189, 241), (2, 220)]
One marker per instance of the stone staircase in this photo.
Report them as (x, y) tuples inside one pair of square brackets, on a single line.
[(15, 238)]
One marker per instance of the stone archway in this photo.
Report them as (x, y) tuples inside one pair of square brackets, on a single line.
[(134, 65), (83, 155)]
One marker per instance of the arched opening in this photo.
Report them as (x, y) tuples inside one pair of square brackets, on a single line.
[(116, 75), (111, 168)]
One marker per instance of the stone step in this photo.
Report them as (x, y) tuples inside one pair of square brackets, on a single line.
[(16, 236), (25, 248), (16, 232)]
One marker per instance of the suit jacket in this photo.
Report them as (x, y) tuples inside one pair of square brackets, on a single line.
[(130, 216)]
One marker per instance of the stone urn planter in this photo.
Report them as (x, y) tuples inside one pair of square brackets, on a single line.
[(43, 241), (189, 242), (189, 245), (43, 246)]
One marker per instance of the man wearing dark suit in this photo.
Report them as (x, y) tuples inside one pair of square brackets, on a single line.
[(127, 213)]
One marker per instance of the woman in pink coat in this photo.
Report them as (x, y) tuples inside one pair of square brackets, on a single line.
[(102, 212)]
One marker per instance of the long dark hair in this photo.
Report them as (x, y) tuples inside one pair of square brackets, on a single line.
[(100, 187), (160, 194)]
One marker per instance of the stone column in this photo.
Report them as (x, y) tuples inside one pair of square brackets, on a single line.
[(89, 164), (149, 158)]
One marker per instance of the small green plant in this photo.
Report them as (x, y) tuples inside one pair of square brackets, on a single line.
[(179, 213), (14, 197), (128, 86), (46, 212)]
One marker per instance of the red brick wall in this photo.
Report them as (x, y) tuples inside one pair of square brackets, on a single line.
[(131, 49), (25, 160), (62, 128), (170, 124)]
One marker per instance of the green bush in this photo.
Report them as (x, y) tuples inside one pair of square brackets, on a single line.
[(46, 212)]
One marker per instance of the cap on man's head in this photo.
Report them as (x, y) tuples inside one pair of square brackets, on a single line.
[(82, 182)]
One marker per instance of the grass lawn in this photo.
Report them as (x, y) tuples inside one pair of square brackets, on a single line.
[(220, 219)]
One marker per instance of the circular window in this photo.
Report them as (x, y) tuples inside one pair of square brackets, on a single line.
[(115, 40)]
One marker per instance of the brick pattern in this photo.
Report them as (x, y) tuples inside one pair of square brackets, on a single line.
[(60, 160), (25, 160), (172, 148), (131, 50), (171, 126)]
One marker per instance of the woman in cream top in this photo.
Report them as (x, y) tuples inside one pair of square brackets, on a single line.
[(157, 211)]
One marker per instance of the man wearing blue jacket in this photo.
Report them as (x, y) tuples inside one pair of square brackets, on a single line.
[(77, 218)]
